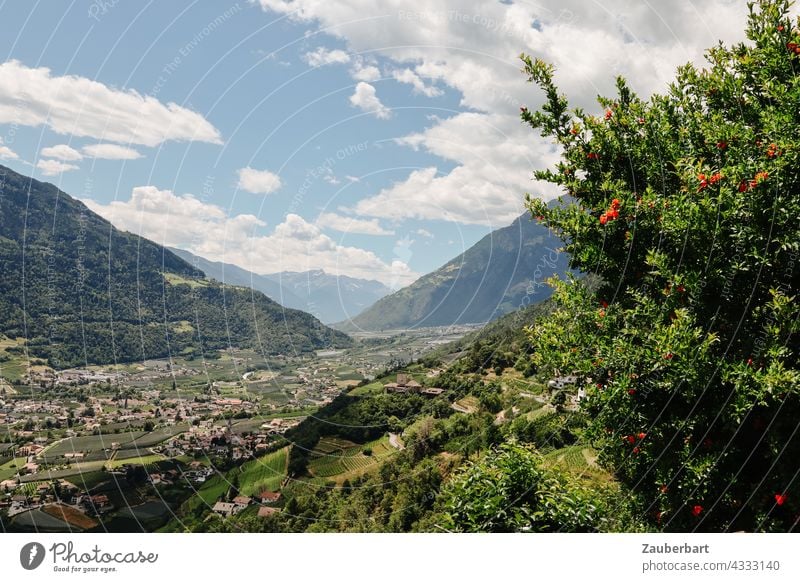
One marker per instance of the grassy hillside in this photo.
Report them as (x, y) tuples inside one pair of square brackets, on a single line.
[(81, 291)]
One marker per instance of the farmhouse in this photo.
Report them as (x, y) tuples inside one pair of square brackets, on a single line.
[(242, 500), (227, 509), (268, 497), (406, 384)]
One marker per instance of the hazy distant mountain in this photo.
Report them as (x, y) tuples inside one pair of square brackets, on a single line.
[(502, 272), (327, 297), (79, 290), (331, 297)]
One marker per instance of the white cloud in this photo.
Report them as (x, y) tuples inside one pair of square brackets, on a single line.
[(77, 106), (323, 56), (590, 43), (61, 152), (351, 225), (258, 181), (424, 233), (362, 71), (409, 77), (206, 230), (365, 99), (6, 153), (54, 167), (494, 155), (111, 151)]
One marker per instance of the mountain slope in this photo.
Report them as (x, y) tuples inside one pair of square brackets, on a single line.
[(331, 297), (328, 297), (81, 291), (233, 275), (502, 272)]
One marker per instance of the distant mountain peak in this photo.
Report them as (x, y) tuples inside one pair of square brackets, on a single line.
[(504, 271)]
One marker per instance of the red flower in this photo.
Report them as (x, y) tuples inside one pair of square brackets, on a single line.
[(668, 356), (603, 218), (780, 28), (772, 151), (722, 144), (573, 131), (631, 391), (636, 450), (792, 46), (749, 361), (697, 510), (715, 178), (640, 121), (601, 313), (703, 182), (641, 435), (609, 114), (604, 303), (743, 186), (663, 489), (593, 156), (780, 498), (681, 288), (612, 214), (630, 439), (761, 177)]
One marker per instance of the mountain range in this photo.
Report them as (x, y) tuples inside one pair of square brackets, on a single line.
[(502, 272), (81, 291), (328, 297)]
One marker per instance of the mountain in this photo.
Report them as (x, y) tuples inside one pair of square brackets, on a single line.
[(328, 297), (80, 291), (233, 275), (504, 271), (331, 297)]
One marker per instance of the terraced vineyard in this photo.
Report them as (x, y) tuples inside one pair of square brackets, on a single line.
[(342, 459), (265, 473)]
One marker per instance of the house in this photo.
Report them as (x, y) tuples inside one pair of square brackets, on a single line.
[(267, 511), (227, 509), (242, 500), (432, 392), (269, 497), (561, 382), (224, 509)]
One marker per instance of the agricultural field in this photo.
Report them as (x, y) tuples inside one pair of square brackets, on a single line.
[(340, 459), (263, 474), (91, 443), (70, 515), (145, 460), (368, 389)]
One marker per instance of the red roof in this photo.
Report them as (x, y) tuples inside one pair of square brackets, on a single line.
[(269, 496)]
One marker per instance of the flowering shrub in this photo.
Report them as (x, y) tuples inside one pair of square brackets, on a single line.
[(687, 205)]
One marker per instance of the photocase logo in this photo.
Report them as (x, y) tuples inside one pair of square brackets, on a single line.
[(31, 555)]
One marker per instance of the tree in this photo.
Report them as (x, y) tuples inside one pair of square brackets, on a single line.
[(687, 206)]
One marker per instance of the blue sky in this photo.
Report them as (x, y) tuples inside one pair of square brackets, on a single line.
[(373, 139)]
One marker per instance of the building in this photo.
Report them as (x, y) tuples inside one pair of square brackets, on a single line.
[(269, 497)]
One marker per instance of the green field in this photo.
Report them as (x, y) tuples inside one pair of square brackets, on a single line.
[(145, 460), (332, 458), (372, 388), (263, 474), (93, 443)]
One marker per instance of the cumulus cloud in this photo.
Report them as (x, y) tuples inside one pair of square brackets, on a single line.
[(494, 155), (409, 77), (207, 230), (258, 181), (61, 152), (81, 107), (351, 225), (589, 43), (6, 153), (365, 99), (111, 151), (323, 56), (362, 71), (54, 167)]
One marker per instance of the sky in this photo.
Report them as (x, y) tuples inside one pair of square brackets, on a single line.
[(371, 138)]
